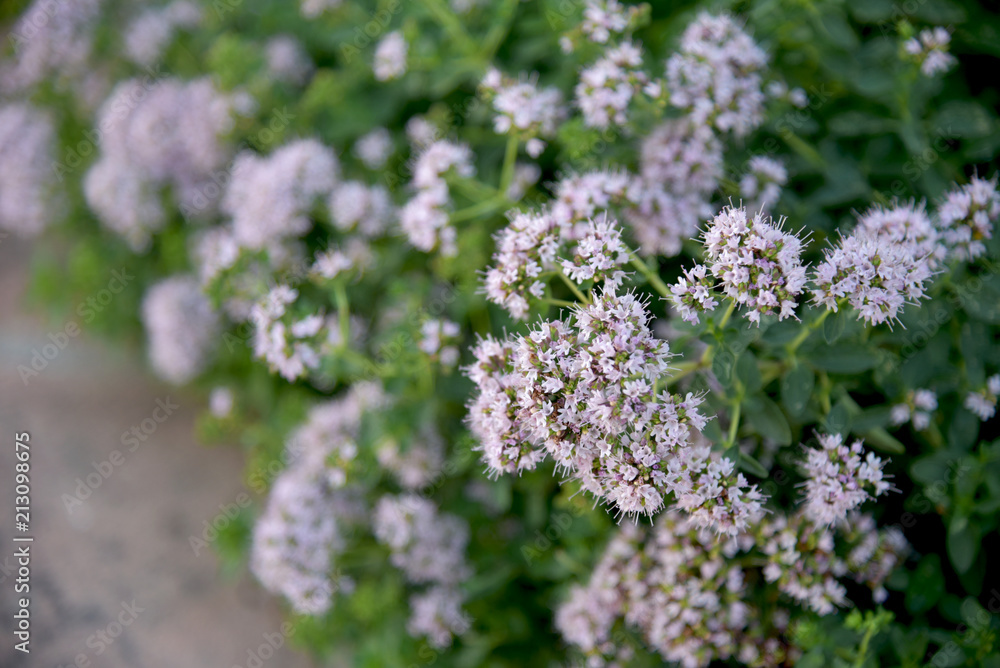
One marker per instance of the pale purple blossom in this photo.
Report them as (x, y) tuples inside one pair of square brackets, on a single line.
[(756, 263), (716, 76), (27, 147), (967, 215), (873, 273), (761, 185), (680, 166), (606, 88), (374, 148), (270, 198), (839, 478), (182, 328)]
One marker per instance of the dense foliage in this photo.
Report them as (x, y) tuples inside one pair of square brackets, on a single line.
[(564, 332)]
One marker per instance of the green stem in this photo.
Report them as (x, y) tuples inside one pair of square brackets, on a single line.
[(501, 26), (684, 369), (476, 210), (734, 425), (650, 275), (575, 290), (728, 314), (343, 313), (558, 302), (863, 649), (443, 14), (806, 331), (509, 161)]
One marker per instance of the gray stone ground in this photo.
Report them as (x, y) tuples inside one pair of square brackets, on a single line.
[(129, 540)]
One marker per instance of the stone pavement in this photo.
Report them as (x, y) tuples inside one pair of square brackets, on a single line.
[(115, 582)]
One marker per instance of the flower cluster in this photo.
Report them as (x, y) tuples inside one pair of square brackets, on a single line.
[(716, 75), (929, 49), (50, 44), (526, 249), (802, 559), (287, 60), (694, 294), (917, 407), (150, 33), (326, 444), (156, 135), (522, 107), (296, 539), (584, 390), (984, 402), (755, 262), (182, 328), (269, 199), (416, 466), (293, 345), (374, 149), (761, 185), (604, 18), (839, 478), (876, 273), (607, 87), (680, 165), (26, 147), (967, 215), (581, 197), (299, 534), (598, 255), (536, 245), (686, 591), (429, 547), (438, 339), (677, 586), (424, 218)]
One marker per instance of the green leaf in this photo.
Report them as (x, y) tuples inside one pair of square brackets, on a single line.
[(963, 430), (838, 420), (722, 367), (880, 439), (927, 585), (766, 418), (845, 359), (751, 465), (963, 543), (833, 327), (797, 388), (747, 372)]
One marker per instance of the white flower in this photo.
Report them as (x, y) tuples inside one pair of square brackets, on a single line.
[(390, 57), (287, 60), (270, 199), (220, 402), (374, 148), (761, 185), (984, 402), (929, 49)]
